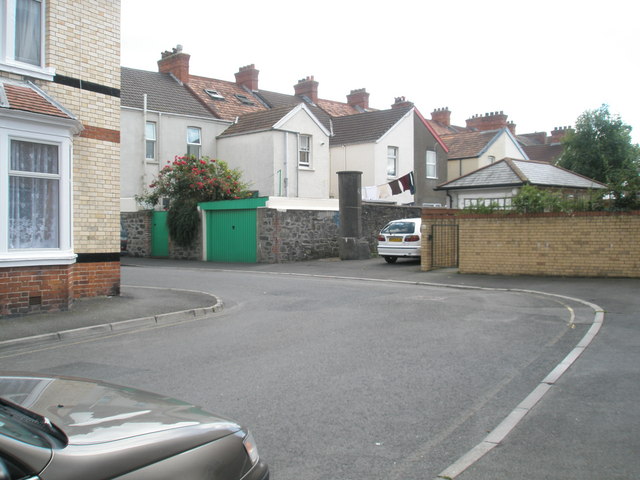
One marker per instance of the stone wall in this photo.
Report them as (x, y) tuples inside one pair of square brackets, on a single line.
[(296, 235), (138, 228)]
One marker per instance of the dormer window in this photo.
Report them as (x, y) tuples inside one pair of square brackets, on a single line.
[(214, 94), (244, 99)]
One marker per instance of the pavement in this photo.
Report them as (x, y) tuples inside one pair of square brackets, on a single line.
[(601, 396), (135, 307)]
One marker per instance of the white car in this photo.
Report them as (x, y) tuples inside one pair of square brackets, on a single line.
[(400, 238)]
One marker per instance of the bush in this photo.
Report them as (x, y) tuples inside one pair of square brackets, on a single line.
[(186, 182)]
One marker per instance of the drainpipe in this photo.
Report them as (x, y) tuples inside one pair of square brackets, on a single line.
[(286, 164)]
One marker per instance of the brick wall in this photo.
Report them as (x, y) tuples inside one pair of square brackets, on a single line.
[(589, 244), (83, 45)]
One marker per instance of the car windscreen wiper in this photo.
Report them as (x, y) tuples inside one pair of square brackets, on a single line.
[(31, 418)]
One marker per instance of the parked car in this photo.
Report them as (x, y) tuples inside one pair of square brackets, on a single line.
[(62, 428), (400, 238)]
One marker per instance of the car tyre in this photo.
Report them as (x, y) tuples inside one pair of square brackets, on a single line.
[(389, 259)]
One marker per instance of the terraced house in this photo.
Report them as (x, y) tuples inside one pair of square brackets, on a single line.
[(59, 152)]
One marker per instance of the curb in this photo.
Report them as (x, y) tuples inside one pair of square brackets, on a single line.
[(121, 326)]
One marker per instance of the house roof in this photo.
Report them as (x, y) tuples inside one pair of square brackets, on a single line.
[(366, 127), (264, 121), (28, 98), (469, 144), (545, 153), (232, 100), (164, 93), (511, 172)]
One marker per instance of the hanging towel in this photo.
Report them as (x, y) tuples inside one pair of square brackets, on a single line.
[(384, 191), (395, 187), (370, 193), (406, 182)]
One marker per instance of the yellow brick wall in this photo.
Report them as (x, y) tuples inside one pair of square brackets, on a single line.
[(584, 244), (83, 42)]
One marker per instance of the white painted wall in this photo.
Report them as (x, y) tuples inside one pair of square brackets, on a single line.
[(371, 159), (269, 160), (137, 172)]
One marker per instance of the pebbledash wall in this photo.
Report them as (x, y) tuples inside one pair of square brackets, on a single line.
[(83, 45), (585, 244)]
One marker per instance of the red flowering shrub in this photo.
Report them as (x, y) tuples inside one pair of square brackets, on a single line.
[(186, 182)]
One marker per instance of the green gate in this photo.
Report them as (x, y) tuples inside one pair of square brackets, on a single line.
[(230, 230), (159, 235)]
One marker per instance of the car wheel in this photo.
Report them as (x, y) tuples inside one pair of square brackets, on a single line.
[(390, 259)]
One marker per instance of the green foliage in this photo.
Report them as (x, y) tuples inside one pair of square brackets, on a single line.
[(186, 182), (600, 148), (534, 200), (483, 207)]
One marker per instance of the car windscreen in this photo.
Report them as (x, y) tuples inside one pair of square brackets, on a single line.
[(11, 427), (400, 227)]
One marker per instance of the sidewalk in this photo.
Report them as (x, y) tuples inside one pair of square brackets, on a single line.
[(134, 307)]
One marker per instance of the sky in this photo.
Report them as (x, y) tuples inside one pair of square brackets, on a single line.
[(542, 63)]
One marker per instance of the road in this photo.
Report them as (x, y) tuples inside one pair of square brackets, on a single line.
[(350, 378)]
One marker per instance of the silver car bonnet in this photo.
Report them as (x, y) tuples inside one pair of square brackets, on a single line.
[(93, 412)]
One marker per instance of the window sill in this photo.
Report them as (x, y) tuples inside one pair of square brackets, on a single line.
[(306, 169), (25, 258), (46, 73)]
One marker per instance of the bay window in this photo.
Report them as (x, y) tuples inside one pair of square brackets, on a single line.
[(35, 176)]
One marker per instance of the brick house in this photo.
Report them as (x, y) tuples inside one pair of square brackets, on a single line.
[(59, 151)]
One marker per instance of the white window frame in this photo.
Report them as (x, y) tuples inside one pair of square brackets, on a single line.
[(431, 164), (304, 151), (192, 145), (8, 61), (392, 161), (153, 139), (60, 135)]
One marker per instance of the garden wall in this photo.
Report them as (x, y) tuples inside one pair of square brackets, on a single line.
[(586, 244)]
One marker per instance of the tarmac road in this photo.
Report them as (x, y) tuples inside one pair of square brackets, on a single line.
[(585, 426)]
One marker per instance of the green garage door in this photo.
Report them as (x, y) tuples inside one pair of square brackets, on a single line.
[(231, 230)]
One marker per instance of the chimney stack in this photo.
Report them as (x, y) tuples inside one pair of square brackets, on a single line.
[(247, 77), (558, 133), (175, 62), (307, 87), (442, 116), (490, 121), (358, 98), (401, 102)]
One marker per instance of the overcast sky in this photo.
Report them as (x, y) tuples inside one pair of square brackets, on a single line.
[(542, 63)]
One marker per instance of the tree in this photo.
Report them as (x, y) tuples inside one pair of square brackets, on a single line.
[(600, 148), (186, 182)]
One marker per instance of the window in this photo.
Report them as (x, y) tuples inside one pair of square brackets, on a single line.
[(304, 153), (392, 161), (492, 159), (22, 42), (35, 183), (194, 141), (34, 193), (432, 171), (150, 141), (244, 99), (214, 94)]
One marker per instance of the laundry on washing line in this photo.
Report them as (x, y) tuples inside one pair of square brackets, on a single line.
[(394, 187)]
